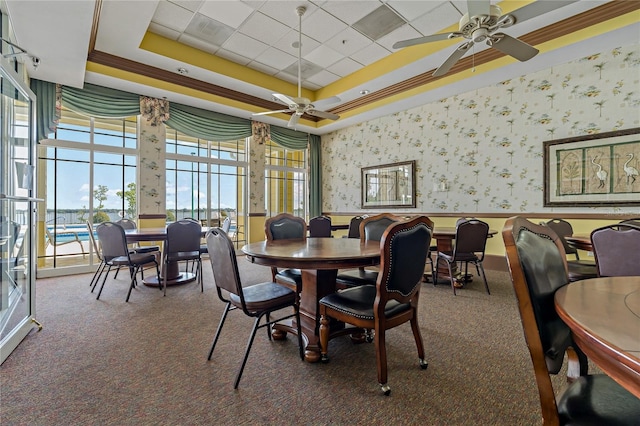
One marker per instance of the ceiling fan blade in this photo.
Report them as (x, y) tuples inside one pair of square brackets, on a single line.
[(452, 59), (293, 121), (425, 39), (478, 7), (513, 47), (271, 112), (284, 99), (323, 114), (538, 8)]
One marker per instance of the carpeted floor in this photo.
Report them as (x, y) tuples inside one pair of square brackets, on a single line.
[(144, 363)]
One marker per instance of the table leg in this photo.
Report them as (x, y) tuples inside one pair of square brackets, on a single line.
[(315, 285)]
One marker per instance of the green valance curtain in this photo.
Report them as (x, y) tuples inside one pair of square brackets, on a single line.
[(98, 101), (208, 125), (47, 115), (289, 138), (315, 176)]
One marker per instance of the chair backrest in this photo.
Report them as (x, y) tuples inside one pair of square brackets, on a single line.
[(11, 231), (471, 237), (127, 223), (320, 227), (617, 249), (538, 268), (226, 224), (403, 253), (354, 226), (94, 243), (224, 264), (183, 236), (634, 221), (372, 228), (112, 240), (285, 226), (563, 229)]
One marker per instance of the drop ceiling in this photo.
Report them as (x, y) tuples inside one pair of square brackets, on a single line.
[(231, 56)]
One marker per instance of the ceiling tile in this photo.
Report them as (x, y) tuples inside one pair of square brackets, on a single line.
[(438, 19), (307, 69), (232, 56), (323, 56), (164, 31), (276, 58), (285, 11), (344, 67), (405, 32), (411, 10), (370, 54), (263, 28), (263, 68), (191, 5), (172, 16), (232, 13), (351, 11), (245, 45), (207, 29), (197, 43), (322, 26), (323, 78), (285, 43), (348, 42)]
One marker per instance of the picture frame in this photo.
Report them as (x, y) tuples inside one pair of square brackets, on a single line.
[(593, 170), (389, 185)]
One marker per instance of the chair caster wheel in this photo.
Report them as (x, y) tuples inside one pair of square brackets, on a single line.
[(386, 389), (423, 364), (324, 359)]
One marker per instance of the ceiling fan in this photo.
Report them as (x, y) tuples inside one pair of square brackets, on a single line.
[(481, 24), (299, 106)]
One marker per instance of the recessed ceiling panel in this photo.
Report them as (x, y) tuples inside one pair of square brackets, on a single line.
[(379, 23), (207, 29)]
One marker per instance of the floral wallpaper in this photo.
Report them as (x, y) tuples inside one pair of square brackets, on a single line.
[(485, 147), (151, 169)]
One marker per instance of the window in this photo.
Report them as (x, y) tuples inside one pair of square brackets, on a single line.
[(90, 172), (206, 181), (285, 181)]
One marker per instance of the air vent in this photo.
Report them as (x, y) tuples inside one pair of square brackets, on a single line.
[(379, 23), (209, 30)]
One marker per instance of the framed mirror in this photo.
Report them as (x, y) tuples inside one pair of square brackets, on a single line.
[(389, 185)]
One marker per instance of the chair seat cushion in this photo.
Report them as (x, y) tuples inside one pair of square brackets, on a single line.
[(579, 270), (598, 400), (460, 257), (146, 249), (291, 276), (358, 302), (357, 277), (264, 296), (183, 255)]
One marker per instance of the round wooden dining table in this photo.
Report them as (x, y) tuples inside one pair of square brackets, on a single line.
[(174, 276), (604, 317), (319, 260)]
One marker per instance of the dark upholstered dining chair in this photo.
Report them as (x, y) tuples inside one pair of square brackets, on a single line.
[(257, 301), (371, 229), (113, 243), (578, 269), (320, 227), (285, 226), (470, 242), (130, 224), (617, 250), (183, 244), (96, 248), (538, 268), (354, 226), (392, 300)]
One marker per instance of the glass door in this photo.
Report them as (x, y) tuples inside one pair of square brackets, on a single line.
[(17, 210)]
